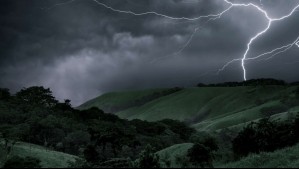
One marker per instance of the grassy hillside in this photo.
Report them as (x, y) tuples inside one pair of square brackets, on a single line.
[(49, 159), (208, 108), (116, 100)]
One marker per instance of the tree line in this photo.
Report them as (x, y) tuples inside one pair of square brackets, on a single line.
[(252, 82)]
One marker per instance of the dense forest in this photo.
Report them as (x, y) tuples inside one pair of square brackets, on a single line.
[(100, 139)]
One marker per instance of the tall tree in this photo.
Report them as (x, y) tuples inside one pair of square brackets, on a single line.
[(36, 96)]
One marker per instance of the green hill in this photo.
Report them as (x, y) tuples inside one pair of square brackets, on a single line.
[(115, 101), (49, 158), (207, 108)]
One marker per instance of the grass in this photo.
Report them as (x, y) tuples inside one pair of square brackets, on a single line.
[(284, 158), (49, 159), (191, 102), (113, 99), (215, 107), (225, 121)]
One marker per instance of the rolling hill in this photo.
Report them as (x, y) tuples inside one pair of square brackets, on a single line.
[(48, 158), (206, 108)]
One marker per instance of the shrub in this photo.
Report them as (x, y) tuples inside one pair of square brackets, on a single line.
[(200, 155), (205, 139), (148, 159), (264, 136)]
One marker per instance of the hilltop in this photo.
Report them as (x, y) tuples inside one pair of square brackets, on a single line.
[(204, 107)]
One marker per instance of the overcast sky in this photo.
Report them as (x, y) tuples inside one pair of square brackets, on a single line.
[(81, 48)]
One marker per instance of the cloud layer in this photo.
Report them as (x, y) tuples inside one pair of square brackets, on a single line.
[(81, 49)]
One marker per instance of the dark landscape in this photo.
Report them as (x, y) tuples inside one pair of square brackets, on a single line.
[(262, 124), (149, 84)]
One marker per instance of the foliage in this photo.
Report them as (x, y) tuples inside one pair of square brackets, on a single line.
[(284, 158), (91, 154), (264, 136), (4, 94), (251, 82), (36, 96), (205, 139), (148, 159), (200, 155)]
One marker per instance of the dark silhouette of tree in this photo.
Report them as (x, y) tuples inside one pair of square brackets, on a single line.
[(264, 136), (297, 93), (90, 114), (246, 141), (91, 154), (36, 97), (200, 155), (4, 94), (205, 139)]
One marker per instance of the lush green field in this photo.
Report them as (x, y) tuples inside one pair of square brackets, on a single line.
[(209, 108), (49, 159)]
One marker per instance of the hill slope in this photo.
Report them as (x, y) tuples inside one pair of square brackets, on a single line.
[(116, 101), (208, 108), (49, 158)]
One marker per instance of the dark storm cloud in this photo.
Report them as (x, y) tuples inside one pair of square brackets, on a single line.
[(82, 49)]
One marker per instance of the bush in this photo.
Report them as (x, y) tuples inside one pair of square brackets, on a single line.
[(19, 162), (148, 159), (200, 155), (205, 139), (264, 136)]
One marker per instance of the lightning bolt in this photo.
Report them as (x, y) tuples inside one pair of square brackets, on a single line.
[(211, 17), (217, 16), (163, 15), (274, 52), (270, 21), (286, 47)]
